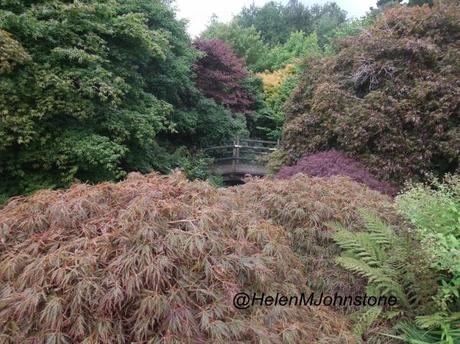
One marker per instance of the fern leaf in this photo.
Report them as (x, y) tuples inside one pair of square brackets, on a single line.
[(365, 319), (361, 268), (436, 320), (380, 231), (359, 245)]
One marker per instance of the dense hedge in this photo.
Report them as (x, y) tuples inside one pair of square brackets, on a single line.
[(390, 97)]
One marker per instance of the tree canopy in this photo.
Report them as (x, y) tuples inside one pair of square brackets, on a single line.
[(276, 21), (220, 74), (89, 89), (246, 42)]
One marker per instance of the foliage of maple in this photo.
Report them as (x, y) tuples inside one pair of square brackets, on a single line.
[(389, 98), (334, 163), (92, 90), (272, 81), (220, 74), (157, 258)]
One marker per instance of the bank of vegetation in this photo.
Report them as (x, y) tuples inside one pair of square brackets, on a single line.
[(101, 241)]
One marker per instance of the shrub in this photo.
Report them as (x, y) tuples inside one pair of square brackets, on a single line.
[(158, 259), (389, 98), (207, 124), (434, 212), (277, 86), (334, 163), (303, 206)]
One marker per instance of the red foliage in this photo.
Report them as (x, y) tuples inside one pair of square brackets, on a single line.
[(334, 163), (157, 259), (219, 75)]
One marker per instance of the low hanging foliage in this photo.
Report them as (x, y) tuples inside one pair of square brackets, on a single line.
[(333, 163), (158, 260)]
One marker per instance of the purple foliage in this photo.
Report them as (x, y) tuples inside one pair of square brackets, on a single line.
[(333, 163), (220, 73)]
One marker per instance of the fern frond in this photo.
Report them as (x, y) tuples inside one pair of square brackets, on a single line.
[(377, 276), (380, 231), (436, 320), (362, 269), (413, 335), (360, 245), (364, 319)]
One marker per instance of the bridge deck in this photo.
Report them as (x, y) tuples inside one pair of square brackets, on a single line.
[(241, 158), (242, 169)]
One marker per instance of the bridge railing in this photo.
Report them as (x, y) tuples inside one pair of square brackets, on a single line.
[(241, 155)]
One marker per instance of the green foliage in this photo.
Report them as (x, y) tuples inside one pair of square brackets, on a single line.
[(424, 277), (420, 2), (267, 110), (384, 3), (11, 53), (245, 41), (92, 90), (277, 88), (326, 19), (349, 28), (381, 256), (435, 213), (275, 161), (299, 46), (194, 165), (206, 124), (267, 20), (364, 319), (273, 37), (276, 21), (392, 265), (254, 86), (434, 329)]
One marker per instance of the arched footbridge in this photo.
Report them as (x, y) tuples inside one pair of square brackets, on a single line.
[(242, 158)]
